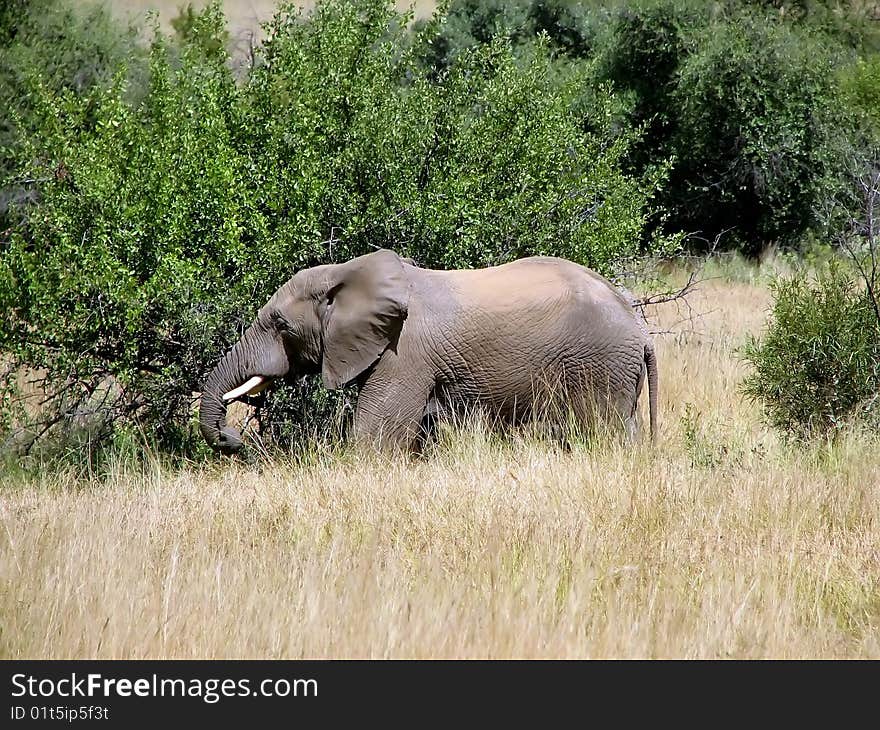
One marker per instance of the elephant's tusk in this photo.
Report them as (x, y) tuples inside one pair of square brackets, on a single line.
[(250, 387)]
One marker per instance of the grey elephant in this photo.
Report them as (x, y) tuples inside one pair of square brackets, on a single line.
[(508, 340)]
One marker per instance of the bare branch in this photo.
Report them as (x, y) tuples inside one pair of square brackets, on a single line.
[(671, 295), (858, 233)]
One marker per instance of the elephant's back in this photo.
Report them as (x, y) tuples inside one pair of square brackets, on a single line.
[(529, 284), (524, 311), (520, 283)]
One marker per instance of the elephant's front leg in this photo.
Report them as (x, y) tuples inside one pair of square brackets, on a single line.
[(390, 412)]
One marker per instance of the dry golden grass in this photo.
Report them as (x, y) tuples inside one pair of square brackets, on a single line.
[(718, 542)]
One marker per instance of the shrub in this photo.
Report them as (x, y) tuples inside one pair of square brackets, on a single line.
[(741, 104), (642, 56), (742, 96), (818, 365), (568, 27), (67, 49), (753, 134), (488, 164), (166, 220), (860, 84), (462, 25), (113, 288)]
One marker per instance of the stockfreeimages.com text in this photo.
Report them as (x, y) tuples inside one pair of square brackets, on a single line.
[(209, 690)]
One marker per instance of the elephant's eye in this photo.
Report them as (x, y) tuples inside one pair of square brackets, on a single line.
[(279, 322), (331, 295)]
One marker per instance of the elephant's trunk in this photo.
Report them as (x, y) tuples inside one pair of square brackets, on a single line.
[(252, 364), (212, 413)]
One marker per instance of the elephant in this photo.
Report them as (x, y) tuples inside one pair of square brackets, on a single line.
[(422, 343)]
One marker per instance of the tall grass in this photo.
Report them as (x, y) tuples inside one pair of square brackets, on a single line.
[(717, 542)]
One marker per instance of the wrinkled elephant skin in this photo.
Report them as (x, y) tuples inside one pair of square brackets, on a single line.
[(507, 340)]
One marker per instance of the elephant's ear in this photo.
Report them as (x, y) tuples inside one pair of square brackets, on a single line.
[(364, 312)]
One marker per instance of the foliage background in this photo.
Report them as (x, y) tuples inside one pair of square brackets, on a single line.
[(157, 189)]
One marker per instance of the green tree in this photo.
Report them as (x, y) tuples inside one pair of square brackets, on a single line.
[(166, 219)]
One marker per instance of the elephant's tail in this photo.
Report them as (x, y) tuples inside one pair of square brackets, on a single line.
[(651, 366)]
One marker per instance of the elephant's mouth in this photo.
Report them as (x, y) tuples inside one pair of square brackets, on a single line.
[(251, 386)]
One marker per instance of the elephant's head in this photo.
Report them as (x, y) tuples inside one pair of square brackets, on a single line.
[(336, 319)]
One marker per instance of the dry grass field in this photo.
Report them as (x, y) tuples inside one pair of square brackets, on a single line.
[(718, 542)]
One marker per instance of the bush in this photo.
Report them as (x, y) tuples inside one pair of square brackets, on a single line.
[(568, 26), (818, 366), (166, 220), (860, 84), (742, 96), (66, 49), (463, 25), (642, 56), (112, 289), (754, 132), (741, 104)]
